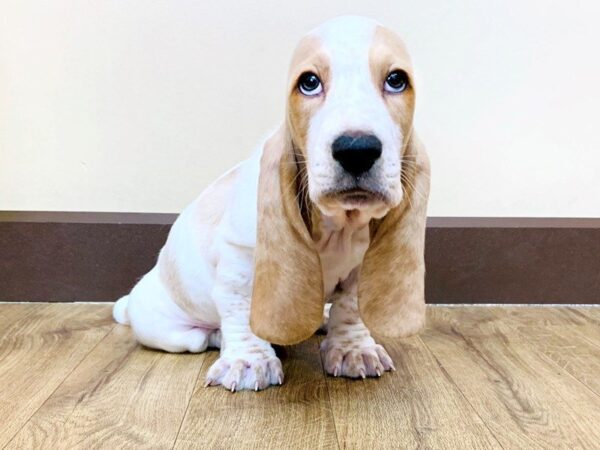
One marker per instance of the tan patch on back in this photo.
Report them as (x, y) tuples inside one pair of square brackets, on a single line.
[(170, 277), (207, 214), (214, 200)]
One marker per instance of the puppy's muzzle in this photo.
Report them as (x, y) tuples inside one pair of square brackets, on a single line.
[(356, 153)]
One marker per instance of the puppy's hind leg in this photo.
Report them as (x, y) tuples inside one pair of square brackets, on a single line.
[(158, 322), (177, 339)]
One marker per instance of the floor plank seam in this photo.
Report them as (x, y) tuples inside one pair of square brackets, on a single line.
[(591, 320), (573, 408), (60, 384), (555, 364), (484, 360), (337, 438), (449, 378), (187, 406), (490, 364), (586, 339)]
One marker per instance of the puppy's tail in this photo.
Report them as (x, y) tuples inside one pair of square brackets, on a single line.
[(120, 310)]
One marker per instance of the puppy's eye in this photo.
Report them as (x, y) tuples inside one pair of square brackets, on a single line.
[(396, 82), (309, 84)]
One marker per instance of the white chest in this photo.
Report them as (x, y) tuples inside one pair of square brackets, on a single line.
[(342, 246)]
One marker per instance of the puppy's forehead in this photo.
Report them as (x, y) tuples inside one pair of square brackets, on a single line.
[(346, 41), (346, 38)]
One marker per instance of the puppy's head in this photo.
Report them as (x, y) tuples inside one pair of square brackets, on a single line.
[(348, 142), (350, 110)]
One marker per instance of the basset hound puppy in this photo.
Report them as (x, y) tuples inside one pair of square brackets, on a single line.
[(330, 209)]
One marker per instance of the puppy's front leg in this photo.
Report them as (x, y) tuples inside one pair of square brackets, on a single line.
[(349, 350), (246, 361)]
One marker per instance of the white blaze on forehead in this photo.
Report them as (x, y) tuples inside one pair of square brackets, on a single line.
[(345, 39), (347, 42)]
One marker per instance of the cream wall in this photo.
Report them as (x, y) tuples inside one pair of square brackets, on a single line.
[(136, 105)]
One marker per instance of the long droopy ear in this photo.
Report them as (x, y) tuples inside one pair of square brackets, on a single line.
[(391, 290), (287, 298)]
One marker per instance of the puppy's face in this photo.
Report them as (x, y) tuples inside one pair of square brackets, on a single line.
[(350, 110)]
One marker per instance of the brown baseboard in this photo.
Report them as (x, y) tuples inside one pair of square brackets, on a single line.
[(84, 256)]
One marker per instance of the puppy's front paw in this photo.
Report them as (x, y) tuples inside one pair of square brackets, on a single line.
[(355, 360), (245, 369)]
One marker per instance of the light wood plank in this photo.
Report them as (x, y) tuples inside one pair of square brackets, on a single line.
[(577, 321), (572, 352), (568, 339), (417, 406), (121, 396), (11, 314), (544, 316), (591, 328), (295, 415), (591, 318), (43, 347), (589, 313), (527, 400)]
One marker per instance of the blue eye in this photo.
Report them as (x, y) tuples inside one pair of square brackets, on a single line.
[(309, 84), (396, 82)]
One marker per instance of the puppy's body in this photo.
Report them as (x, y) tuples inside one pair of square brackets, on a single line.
[(177, 306), (199, 293)]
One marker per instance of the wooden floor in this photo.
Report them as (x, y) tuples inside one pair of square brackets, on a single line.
[(478, 377)]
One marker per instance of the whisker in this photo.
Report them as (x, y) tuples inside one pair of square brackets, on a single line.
[(406, 194), (413, 187), (295, 179), (302, 192), (412, 165)]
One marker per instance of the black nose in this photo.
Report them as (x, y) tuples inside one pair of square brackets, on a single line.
[(356, 154)]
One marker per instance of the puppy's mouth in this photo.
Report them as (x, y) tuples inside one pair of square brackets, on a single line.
[(356, 197)]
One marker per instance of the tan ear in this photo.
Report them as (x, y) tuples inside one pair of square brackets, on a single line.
[(287, 298), (391, 290)]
